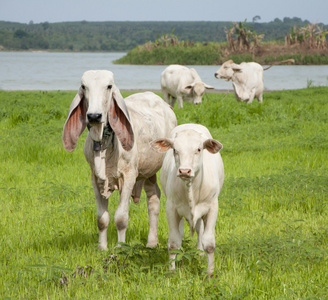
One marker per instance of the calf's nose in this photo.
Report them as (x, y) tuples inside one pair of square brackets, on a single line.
[(184, 172), (94, 118)]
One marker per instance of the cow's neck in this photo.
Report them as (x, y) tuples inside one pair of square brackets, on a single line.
[(103, 141)]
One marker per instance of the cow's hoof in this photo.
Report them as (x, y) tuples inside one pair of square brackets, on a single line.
[(151, 244)]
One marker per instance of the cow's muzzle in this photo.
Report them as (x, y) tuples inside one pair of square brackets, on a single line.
[(185, 173), (94, 118)]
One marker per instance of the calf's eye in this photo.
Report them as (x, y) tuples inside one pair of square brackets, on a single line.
[(109, 87), (83, 87)]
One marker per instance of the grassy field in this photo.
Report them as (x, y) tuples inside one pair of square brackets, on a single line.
[(271, 233)]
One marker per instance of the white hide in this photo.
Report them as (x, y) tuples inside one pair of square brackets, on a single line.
[(117, 147), (182, 84), (247, 79), (192, 176)]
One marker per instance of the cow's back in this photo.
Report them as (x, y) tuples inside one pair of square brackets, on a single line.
[(152, 118), (253, 74)]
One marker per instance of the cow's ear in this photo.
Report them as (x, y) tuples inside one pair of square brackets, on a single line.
[(75, 122), (236, 67), (119, 120), (161, 145), (189, 87), (212, 146)]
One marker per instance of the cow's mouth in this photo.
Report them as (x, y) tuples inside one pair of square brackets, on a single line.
[(185, 177), (225, 78)]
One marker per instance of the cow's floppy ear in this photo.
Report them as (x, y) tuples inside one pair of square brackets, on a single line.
[(212, 146), (161, 145), (119, 120), (236, 67), (75, 122)]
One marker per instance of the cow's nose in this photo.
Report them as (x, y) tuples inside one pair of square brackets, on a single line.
[(185, 172), (216, 75), (94, 118)]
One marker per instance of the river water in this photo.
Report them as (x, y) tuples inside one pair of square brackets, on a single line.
[(63, 71)]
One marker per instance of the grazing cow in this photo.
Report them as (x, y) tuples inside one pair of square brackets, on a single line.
[(247, 79), (181, 83), (191, 178), (117, 147)]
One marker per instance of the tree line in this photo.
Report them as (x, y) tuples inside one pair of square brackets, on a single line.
[(124, 36)]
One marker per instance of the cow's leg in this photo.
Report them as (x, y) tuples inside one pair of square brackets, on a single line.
[(251, 97), (260, 98), (102, 214), (209, 234), (122, 212), (153, 195), (175, 237), (180, 101), (200, 232), (166, 96)]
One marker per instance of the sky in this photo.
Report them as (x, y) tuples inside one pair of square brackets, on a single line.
[(38, 11)]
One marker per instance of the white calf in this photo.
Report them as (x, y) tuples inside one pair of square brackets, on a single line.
[(191, 177)]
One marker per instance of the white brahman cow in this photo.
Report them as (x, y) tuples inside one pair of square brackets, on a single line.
[(191, 178), (247, 78), (181, 83), (117, 147)]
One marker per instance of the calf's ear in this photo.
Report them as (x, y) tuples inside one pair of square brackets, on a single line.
[(119, 120), (212, 146), (75, 122), (161, 145)]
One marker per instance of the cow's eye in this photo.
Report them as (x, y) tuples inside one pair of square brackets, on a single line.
[(198, 150), (109, 87), (174, 151), (83, 87)]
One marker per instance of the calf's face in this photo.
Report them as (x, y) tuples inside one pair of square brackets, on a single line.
[(187, 148)]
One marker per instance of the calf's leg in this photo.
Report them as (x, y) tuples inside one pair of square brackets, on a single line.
[(175, 236), (209, 235), (200, 232)]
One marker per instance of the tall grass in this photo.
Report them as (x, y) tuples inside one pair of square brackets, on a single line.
[(271, 233)]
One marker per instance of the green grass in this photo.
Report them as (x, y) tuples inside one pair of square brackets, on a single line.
[(272, 229)]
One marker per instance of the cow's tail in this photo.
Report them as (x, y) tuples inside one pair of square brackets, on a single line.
[(291, 60)]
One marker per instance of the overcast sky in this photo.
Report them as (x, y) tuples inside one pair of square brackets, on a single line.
[(38, 11)]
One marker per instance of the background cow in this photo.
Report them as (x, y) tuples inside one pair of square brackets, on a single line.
[(247, 79), (117, 147), (191, 177), (181, 83)]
